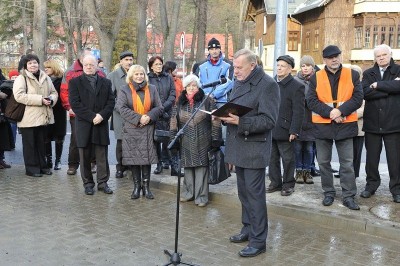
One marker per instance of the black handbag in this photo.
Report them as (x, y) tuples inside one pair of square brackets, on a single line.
[(161, 135), (15, 110), (217, 168)]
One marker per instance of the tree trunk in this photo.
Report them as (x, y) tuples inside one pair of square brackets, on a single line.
[(170, 33), (142, 33), (202, 27), (40, 30), (192, 59)]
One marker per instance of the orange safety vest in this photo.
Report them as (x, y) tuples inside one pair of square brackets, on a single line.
[(324, 92)]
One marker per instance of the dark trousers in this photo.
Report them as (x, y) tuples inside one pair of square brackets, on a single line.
[(118, 155), (73, 156), (303, 154), (162, 152), (251, 192), (285, 150), (373, 145), (33, 148), (103, 170), (358, 143)]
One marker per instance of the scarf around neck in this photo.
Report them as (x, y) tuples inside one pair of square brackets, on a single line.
[(138, 106)]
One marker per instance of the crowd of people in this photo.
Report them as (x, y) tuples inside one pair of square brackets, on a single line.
[(295, 119)]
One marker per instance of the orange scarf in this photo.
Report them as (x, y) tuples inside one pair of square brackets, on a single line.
[(138, 106)]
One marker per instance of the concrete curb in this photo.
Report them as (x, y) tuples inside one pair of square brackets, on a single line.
[(384, 229)]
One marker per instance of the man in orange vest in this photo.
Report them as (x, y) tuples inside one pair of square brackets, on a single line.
[(334, 95)]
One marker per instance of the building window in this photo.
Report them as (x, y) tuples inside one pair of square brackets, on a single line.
[(265, 25), (367, 38), (316, 39), (391, 36), (358, 37), (307, 43), (383, 35), (375, 40), (293, 44)]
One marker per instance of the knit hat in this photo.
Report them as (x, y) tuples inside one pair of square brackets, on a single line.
[(287, 58), (307, 60), (213, 43), (125, 54), (13, 73)]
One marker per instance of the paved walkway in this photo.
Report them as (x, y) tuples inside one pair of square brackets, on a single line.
[(49, 221)]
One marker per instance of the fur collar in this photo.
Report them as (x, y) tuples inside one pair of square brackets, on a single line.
[(197, 97)]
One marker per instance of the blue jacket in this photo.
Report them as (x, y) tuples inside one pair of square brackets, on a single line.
[(210, 73)]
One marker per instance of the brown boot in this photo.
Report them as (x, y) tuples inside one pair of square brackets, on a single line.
[(308, 179), (299, 176)]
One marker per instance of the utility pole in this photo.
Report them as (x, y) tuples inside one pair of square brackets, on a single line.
[(280, 30)]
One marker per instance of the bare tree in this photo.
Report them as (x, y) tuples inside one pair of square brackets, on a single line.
[(169, 29), (142, 33), (202, 27), (106, 27), (39, 29)]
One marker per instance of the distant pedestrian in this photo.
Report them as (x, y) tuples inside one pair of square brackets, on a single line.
[(381, 85), (92, 100), (334, 96)]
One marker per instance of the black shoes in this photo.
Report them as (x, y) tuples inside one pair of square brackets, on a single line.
[(251, 252), (46, 172), (396, 198), (89, 191), (315, 172), (271, 189), (239, 238), (366, 194), (287, 191), (158, 169), (33, 175), (328, 201), (119, 174), (165, 165), (57, 165), (351, 204), (71, 171), (105, 188)]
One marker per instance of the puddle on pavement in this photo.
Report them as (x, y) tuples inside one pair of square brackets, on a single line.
[(387, 212)]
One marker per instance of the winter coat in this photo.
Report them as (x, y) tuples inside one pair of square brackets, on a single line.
[(58, 130), (248, 144), (36, 114), (138, 146), (117, 78), (382, 105), (200, 133), (166, 89), (7, 139), (333, 130), (209, 73), (307, 132), (86, 103), (291, 109), (72, 72)]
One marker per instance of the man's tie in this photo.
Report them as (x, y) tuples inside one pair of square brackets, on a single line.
[(382, 72)]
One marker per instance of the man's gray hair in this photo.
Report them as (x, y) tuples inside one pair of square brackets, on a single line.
[(249, 55), (382, 47)]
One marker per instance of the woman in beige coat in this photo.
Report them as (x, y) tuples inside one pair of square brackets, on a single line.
[(34, 89)]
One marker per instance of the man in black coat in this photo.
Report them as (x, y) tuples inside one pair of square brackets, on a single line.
[(381, 85), (290, 119), (92, 99), (248, 146), (334, 95)]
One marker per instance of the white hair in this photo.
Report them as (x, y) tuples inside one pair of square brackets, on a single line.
[(189, 79), (382, 47)]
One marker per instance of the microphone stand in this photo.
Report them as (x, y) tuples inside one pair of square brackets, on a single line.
[(175, 257)]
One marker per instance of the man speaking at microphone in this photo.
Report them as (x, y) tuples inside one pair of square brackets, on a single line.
[(248, 146)]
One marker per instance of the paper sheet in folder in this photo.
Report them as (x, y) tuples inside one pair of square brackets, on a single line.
[(232, 108)]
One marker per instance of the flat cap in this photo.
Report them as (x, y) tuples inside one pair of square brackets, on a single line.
[(125, 54), (331, 51), (287, 58)]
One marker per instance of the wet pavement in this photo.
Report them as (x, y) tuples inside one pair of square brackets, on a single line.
[(49, 221)]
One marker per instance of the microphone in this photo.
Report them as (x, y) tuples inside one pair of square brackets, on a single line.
[(222, 80)]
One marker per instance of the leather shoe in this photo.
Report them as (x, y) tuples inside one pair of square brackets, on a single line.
[(71, 171), (239, 238), (34, 175), (271, 189), (287, 191), (251, 252), (366, 194), (119, 174), (351, 204), (315, 172), (396, 198), (328, 201), (4, 164), (106, 189), (89, 191), (46, 172)]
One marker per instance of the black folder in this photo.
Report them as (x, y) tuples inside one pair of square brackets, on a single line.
[(232, 108)]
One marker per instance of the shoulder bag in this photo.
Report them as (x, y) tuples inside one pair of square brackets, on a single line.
[(15, 110)]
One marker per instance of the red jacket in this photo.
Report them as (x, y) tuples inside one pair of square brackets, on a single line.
[(74, 71)]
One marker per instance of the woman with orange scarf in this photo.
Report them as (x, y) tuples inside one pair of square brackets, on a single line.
[(139, 105)]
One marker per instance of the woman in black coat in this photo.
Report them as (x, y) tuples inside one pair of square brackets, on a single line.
[(6, 139), (57, 131), (166, 89)]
